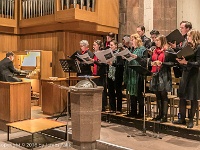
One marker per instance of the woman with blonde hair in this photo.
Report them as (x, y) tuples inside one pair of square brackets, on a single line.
[(132, 79), (190, 81)]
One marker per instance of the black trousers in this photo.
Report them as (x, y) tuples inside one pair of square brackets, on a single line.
[(182, 106), (115, 90)]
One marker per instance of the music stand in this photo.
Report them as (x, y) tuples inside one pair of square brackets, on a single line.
[(68, 65), (144, 72)]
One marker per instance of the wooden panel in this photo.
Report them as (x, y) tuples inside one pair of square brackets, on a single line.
[(45, 64), (64, 43), (53, 98), (15, 101), (65, 15), (4, 29), (8, 42), (48, 19), (44, 41), (7, 22), (108, 15)]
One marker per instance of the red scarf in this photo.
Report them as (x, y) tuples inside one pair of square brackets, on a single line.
[(158, 54), (95, 66), (83, 52)]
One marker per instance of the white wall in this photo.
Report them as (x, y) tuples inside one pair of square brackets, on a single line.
[(189, 10)]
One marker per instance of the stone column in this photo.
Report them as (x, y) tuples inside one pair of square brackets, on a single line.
[(153, 14), (165, 15), (131, 15), (86, 105)]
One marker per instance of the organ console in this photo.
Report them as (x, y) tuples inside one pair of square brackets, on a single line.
[(35, 65)]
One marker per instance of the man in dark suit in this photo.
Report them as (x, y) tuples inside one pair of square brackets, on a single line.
[(7, 69), (146, 41), (185, 27)]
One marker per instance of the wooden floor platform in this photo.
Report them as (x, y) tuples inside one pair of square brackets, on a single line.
[(150, 125), (35, 126)]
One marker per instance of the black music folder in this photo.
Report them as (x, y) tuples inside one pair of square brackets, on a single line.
[(187, 52), (75, 56), (141, 70), (175, 36)]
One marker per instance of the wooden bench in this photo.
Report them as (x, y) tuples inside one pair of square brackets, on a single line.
[(35, 126)]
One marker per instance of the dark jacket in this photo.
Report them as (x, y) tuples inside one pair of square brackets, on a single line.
[(190, 82), (146, 41), (7, 71), (182, 44)]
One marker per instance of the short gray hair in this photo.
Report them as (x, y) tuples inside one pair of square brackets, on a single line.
[(84, 43)]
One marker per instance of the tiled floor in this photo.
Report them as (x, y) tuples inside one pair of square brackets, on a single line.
[(113, 133)]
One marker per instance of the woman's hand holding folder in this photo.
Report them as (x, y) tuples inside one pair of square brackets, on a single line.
[(182, 61)]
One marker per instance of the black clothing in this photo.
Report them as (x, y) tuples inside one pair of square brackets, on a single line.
[(146, 41), (190, 81), (189, 87), (115, 87), (7, 71), (182, 44), (177, 69)]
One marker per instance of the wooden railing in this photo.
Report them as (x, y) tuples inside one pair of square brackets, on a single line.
[(75, 15), (88, 5), (7, 9), (37, 8)]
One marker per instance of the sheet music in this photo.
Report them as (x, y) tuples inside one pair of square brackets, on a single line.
[(105, 56), (85, 57), (125, 54)]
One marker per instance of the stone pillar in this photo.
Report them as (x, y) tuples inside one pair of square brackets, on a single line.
[(148, 16), (165, 15), (86, 105), (153, 14), (131, 15)]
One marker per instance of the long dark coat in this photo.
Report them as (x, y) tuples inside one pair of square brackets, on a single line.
[(189, 88)]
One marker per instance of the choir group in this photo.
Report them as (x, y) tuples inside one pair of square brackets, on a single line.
[(150, 53)]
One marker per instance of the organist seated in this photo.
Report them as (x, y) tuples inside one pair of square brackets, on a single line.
[(7, 69)]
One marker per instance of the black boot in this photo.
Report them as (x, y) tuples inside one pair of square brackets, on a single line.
[(133, 112), (181, 119), (165, 110), (159, 116), (190, 124), (192, 113), (182, 112)]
